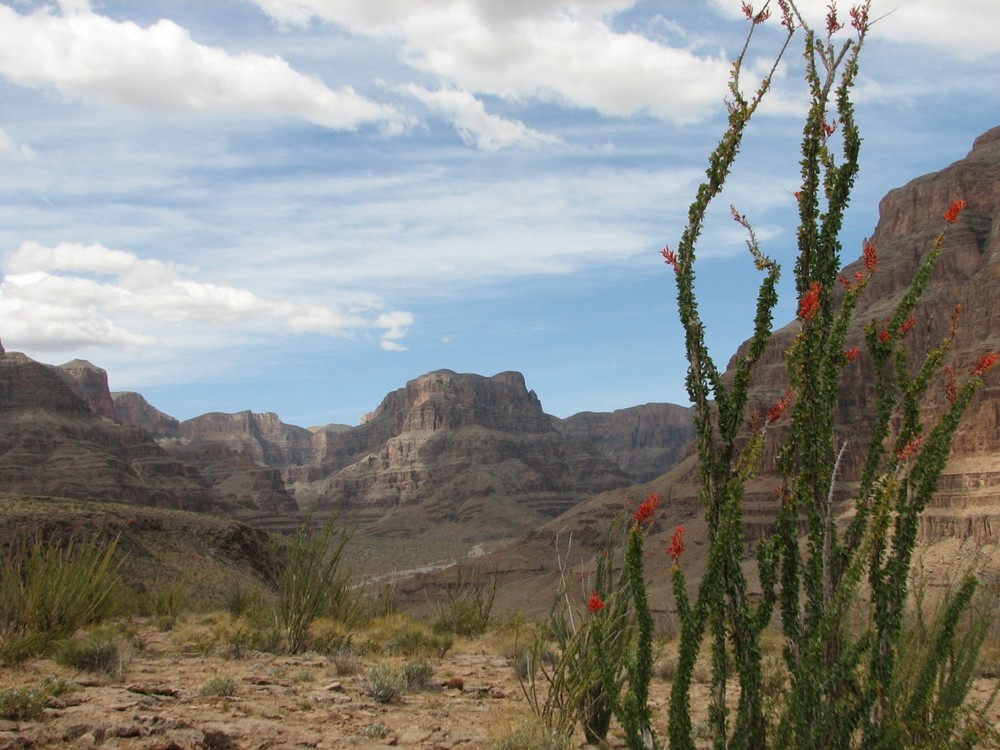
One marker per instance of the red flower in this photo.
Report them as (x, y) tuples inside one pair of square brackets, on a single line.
[(851, 354), (677, 546), (871, 259), (908, 324), (985, 364), (845, 282), (775, 412), (832, 24), (596, 604), (951, 389), (885, 337), (828, 129), (809, 304), (954, 211), (910, 449), (671, 257), (644, 514), (859, 17)]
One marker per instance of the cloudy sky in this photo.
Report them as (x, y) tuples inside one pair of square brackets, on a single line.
[(298, 205)]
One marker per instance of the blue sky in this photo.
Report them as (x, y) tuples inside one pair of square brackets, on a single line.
[(298, 205)]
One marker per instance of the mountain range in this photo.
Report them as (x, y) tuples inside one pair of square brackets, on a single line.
[(467, 457)]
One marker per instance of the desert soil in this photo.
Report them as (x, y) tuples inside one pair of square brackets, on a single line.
[(284, 702)]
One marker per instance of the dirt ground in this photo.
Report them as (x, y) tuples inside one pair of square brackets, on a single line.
[(158, 701)]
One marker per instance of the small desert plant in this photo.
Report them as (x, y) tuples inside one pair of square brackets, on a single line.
[(96, 651), (468, 604), (417, 674), (533, 734), (418, 639), (168, 599), (239, 601), (383, 683), (375, 731), (312, 583), (27, 703), (47, 591), (219, 687)]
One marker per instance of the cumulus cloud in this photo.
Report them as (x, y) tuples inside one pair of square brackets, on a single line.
[(563, 52), (476, 126), (161, 68), (77, 295)]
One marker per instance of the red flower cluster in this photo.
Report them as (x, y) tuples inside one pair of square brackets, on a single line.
[(596, 604), (859, 18), (671, 257), (809, 304), (677, 546), (910, 449), (644, 514), (851, 354), (832, 24), (951, 387), (910, 321), (871, 259), (775, 412), (885, 337), (954, 211), (985, 364)]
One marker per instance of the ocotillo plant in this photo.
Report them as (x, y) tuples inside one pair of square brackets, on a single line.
[(840, 674)]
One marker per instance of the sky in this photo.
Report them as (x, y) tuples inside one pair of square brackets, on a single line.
[(296, 206)]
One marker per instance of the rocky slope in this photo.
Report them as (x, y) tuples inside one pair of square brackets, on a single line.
[(51, 443), (645, 441), (454, 456)]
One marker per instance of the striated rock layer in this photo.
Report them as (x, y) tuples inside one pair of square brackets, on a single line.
[(455, 456)]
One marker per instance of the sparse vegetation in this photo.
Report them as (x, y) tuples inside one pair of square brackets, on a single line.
[(468, 603), (383, 683), (97, 651), (49, 590), (219, 687), (312, 583)]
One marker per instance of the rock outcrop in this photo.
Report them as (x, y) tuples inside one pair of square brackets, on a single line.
[(90, 383), (51, 443), (263, 437), (132, 408), (454, 456), (644, 441)]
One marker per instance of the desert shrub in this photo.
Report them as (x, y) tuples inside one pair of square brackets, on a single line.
[(219, 687), (377, 730), (312, 583), (239, 601), (28, 703), (168, 599), (417, 674), (97, 651), (467, 604), (532, 734), (328, 636), (417, 639), (383, 683), (48, 591)]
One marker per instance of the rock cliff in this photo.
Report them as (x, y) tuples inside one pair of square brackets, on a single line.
[(644, 441), (132, 408), (90, 383), (455, 456), (263, 437), (51, 443)]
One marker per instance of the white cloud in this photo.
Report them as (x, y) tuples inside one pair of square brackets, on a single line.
[(564, 52), (93, 295), (964, 28), (476, 126), (10, 149), (160, 68)]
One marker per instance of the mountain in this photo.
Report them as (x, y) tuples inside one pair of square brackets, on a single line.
[(644, 440), (51, 443), (457, 456)]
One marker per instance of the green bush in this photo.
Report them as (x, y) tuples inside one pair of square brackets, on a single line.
[(219, 687), (96, 651), (312, 584), (28, 703), (48, 591), (383, 683), (468, 604), (417, 674), (168, 600)]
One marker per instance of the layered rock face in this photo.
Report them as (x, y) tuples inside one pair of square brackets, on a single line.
[(967, 275), (455, 456), (132, 408), (51, 443), (644, 441), (263, 437), (90, 383)]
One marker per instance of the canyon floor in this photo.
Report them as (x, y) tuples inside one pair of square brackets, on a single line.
[(159, 700)]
